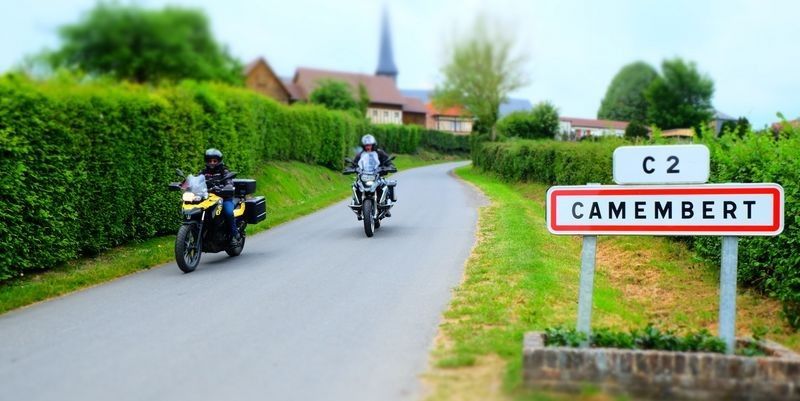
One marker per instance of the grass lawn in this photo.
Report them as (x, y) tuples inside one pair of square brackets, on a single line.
[(521, 278), (292, 189)]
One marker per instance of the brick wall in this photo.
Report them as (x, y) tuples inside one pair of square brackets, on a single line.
[(662, 375)]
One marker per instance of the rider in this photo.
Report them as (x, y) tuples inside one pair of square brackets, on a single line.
[(369, 144), (216, 170)]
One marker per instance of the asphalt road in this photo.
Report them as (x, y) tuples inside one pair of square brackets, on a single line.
[(311, 310)]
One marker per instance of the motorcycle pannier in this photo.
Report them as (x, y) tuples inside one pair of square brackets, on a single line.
[(255, 210), (244, 186)]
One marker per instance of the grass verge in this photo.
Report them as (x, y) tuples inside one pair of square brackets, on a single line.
[(521, 278), (292, 190)]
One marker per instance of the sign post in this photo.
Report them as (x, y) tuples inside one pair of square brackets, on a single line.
[(687, 206), (727, 292)]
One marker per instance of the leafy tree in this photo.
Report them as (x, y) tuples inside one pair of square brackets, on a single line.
[(624, 99), (739, 127), (141, 45), (363, 99), (335, 95), (482, 70), (680, 97), (636, 130), (541, 122)]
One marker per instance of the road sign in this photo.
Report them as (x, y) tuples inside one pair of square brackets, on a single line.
[(711, 209), (666, 164)]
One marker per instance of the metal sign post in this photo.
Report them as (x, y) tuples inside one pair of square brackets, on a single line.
[(586, 285), (686, 206), (727, 292)]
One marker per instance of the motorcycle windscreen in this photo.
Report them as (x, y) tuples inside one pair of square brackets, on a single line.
[(197, 185), (369, 162)]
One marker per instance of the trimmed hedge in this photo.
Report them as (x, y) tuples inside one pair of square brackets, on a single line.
[(86, 166), (410, 138), (768, 264)]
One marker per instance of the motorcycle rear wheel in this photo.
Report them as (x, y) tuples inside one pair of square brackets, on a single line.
[(369, 219), (187, 251)]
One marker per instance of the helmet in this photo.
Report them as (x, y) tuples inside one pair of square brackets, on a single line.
[(368, 140), (213, 154)]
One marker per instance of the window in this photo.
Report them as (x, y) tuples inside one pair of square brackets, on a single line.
[(374, 113)]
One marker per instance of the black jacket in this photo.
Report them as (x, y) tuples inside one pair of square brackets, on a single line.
[(215, 174), (383, 158)]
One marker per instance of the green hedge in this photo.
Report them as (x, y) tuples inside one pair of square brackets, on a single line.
[(548, 161), (768, 264), (86, 166), (410, 138)]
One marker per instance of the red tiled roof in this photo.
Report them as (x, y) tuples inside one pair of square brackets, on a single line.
[(590, 123), (381, 89), (455, 111)]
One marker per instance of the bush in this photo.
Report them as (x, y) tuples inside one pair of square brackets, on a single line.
[(636, 130), (541, 122), (86, 166), (549, 162), (648, 338), (410, 138)]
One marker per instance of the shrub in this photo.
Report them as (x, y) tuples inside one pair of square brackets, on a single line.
[(636, 130), (541, 122), (648, 338)]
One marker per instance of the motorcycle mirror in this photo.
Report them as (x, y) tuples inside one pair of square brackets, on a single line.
[(348, 160), (392, 157)]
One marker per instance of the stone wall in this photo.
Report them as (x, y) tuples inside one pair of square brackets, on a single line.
[(662, 375)]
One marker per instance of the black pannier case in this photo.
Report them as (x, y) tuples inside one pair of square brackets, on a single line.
[(255, 210), (244, 186)]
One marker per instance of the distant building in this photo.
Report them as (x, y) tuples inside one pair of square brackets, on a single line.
[(387, 105), (512, 105), (260, 77), (577, 128), (454, 120), (680, 133), (719, 119)]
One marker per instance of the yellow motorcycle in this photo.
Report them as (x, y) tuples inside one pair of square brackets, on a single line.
[(204, 228)]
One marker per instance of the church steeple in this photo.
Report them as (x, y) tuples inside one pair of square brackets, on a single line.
[(386, 66)]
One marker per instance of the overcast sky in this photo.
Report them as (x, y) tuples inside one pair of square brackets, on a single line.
[(749, 48)]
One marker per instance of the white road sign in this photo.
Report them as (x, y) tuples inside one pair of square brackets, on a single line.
[(711, 209), (661, 164)]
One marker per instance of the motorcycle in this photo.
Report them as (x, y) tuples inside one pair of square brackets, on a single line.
[(373, 196), (204, 228)]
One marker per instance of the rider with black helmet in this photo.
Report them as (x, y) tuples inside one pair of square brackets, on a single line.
[(216, 170)]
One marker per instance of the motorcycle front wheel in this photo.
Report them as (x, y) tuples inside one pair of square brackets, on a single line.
[(369, 219), (187, 249)]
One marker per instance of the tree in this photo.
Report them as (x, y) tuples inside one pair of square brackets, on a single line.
[(738, 128), (335, 95), (636, 130), (482, 70), (624, 99), (141, 45), (680, 97), (541, 122)]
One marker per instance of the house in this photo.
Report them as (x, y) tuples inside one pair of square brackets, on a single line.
[(510, 106), (260, 77), (678, 133), (386, 104), (577, 128), (453, 119)]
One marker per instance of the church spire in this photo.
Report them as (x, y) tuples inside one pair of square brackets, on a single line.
[(386, 66)]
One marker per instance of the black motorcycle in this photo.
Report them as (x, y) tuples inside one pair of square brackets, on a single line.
[(373, 195), (204, 228)]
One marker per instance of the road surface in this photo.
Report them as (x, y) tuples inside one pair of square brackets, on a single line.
[(311, 310)]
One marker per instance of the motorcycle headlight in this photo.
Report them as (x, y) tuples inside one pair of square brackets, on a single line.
[(190, 197), (369, 183), (368, 178)]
